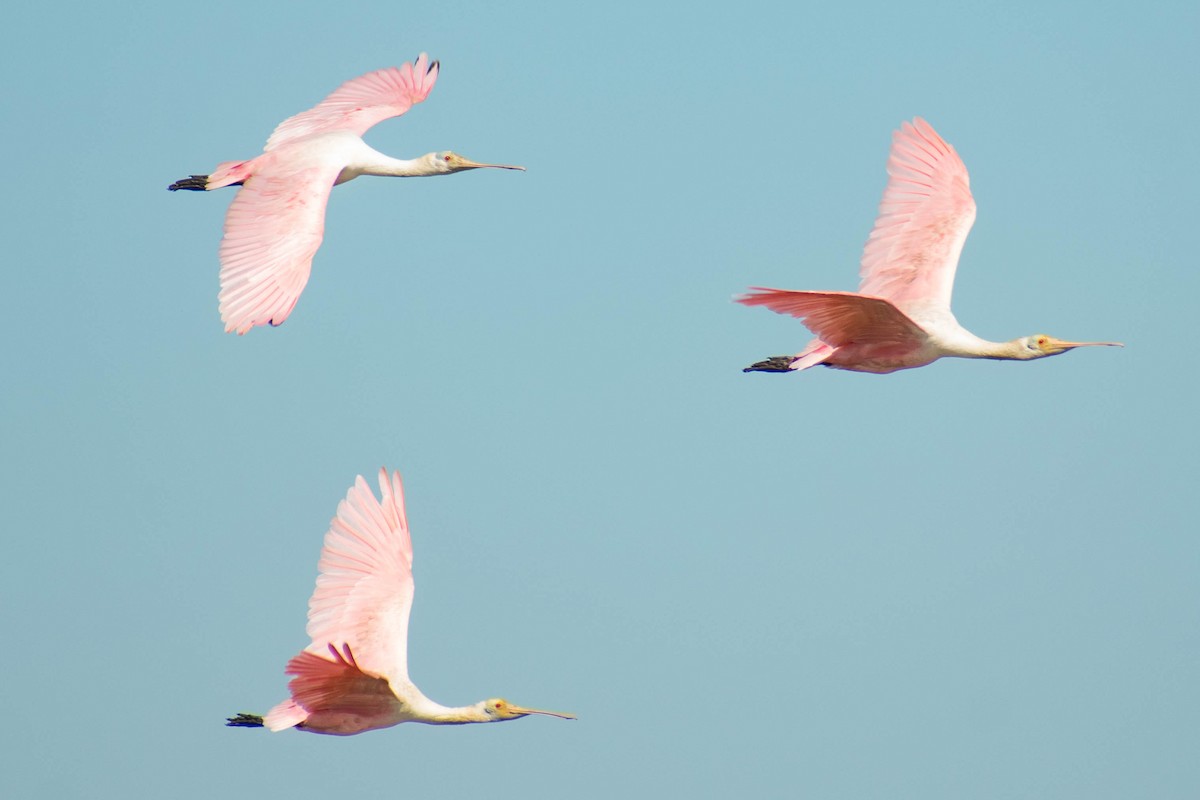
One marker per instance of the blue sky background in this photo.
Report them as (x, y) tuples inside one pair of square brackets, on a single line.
[(976, 579)]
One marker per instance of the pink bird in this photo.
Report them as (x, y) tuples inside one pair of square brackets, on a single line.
[(354, 676), (900, 317), (275, 224)]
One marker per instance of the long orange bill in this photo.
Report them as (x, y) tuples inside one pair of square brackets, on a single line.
[(1061, 343)]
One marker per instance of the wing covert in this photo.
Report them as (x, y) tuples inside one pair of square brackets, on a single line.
[(840, 318)]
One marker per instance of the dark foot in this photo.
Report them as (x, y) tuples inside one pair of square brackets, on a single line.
[(773, 364), (194, 183), (245, 721)]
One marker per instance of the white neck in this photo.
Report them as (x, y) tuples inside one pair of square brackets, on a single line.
[(1008, 351), (366, 160), (398, 167), (967, 345), (431, 713)]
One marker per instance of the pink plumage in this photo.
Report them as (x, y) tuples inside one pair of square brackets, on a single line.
[(273, 229), (353, 675), (357, 618), (277, 220), (361, 103), (924, 218), (365, 587), (333, 695), (900, 317)]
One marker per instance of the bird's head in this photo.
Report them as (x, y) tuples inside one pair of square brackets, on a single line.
[(1040, 345), (447, 162), (499, 710)]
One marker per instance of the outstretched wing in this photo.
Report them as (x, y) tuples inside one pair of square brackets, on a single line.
[(841, 318), (923, 221), (361, 102), (272, 231), (365, 586)]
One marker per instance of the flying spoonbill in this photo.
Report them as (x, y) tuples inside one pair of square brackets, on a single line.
[(277, 220), (900, 316), (353, 677)]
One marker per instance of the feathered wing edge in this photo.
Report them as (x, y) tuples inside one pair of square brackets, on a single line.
[(358, 613), (362, 102), (924, 217), (273, 230), (336, 683), (839, 318)]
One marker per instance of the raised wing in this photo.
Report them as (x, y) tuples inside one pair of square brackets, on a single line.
[(923, 221), (841, 318), (361, 102), (365, 586), (272, 231)]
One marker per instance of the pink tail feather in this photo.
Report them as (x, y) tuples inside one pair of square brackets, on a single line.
[(816, 352), (285, 715), (228, 173)]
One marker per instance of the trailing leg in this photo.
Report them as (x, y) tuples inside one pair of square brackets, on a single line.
[(245, 721), (193, 183), (773, 364)]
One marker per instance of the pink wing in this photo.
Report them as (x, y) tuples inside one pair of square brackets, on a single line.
[(365, 586), (333, 685), (361, 102), (923, 221), (841, 318), (272, 231)]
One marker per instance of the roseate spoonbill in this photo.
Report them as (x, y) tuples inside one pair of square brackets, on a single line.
[(275, 223), (900, 317), (354, 676)]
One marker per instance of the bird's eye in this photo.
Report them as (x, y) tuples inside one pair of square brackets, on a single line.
[(1041, 340), (445, 158)]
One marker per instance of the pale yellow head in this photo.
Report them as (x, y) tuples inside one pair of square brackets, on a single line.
[(499, 710), (1040, 345), (446, 161)]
